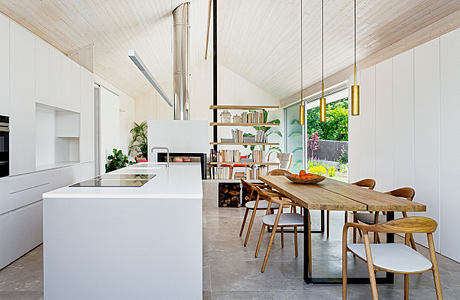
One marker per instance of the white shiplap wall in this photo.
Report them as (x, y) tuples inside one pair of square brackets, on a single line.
[(408, 132)]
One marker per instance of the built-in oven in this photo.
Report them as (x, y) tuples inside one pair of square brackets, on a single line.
[(4, 146)]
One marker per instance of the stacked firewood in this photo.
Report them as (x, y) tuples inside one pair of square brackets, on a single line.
[(229, 194)]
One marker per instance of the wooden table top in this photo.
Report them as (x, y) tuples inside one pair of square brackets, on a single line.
[(335, 195)]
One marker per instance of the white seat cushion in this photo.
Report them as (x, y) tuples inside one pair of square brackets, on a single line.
[(286, 219), (394, 257), (368, 218), (263, 204)]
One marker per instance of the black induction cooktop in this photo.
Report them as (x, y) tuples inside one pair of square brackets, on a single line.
[(116, 180)]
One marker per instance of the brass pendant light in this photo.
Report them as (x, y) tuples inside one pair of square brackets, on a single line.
[(355, 87), (302, 106), (322, 101)]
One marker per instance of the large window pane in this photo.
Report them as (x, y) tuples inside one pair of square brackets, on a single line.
[(294, 137)]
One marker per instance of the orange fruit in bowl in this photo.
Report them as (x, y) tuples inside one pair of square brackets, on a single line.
[(302, 173), (303, 177)]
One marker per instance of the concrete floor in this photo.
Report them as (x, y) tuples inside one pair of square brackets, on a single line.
[(230, 270)]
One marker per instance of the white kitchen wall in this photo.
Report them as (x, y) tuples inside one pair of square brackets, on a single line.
[(407, 133), (37, 82)]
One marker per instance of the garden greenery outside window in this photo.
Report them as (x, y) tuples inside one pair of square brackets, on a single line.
[(322, 145)]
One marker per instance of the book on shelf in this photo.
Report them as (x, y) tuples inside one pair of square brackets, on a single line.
[(229, 156), (237, 136), (253, 117), (258, 156)]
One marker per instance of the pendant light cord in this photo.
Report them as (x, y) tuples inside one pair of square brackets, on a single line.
[(301, 51), (354, 24), (322, 50)]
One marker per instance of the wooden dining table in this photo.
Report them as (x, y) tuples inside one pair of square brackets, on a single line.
[(339, 196)]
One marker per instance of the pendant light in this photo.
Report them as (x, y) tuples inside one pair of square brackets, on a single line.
[(355, 87), (302, 106), (322, 101)]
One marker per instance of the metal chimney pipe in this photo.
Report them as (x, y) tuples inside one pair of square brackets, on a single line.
[(181, 61)]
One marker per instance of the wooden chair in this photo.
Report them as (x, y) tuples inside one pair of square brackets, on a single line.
[(395, 258), (260, 203), (373, 218), (365, 183), (281, 220)]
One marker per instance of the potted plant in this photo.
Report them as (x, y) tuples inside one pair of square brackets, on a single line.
[(139, 143), (116, 161)]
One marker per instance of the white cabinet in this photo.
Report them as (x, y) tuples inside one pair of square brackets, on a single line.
[(20, 231), (43, 85), (55, 66), (74, 85), (86, 116), (22, 121), (4, 65)]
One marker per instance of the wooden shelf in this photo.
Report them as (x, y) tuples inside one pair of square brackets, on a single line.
[(245, 163), (243, 124), (244, 107), (243, 144)]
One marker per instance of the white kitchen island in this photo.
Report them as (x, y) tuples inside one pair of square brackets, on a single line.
[(126, 242)]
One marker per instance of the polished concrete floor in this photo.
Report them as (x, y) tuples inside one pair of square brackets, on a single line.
[(230, 270)]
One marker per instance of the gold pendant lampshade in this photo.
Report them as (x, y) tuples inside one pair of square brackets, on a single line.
[(322, 101), (355, 87), (302, 106)]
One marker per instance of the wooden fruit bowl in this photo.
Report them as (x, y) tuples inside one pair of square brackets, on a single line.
[(305, 181)]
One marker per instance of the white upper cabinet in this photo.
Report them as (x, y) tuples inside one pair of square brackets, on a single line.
[(86, 116), (43, 86), (4, 65), (74, 85), (55, 79), (22, 85)]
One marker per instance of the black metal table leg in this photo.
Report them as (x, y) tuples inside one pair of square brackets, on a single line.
[(389, 278), (306, 241), (322, 224)]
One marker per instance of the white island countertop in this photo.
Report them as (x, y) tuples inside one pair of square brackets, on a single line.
[(122, 243), (179, 180)]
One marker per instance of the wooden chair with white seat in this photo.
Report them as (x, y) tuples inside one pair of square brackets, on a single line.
[(373, 217), (364, 183), (260, 203), (392, 257), (281, 220)]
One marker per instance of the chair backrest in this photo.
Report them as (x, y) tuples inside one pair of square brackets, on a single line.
[(279, 172), (247, 184), (367, 183), (404, 225), (406, 193), (285, 160)]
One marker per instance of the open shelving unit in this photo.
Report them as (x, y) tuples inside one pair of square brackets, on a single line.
[(249, 108)]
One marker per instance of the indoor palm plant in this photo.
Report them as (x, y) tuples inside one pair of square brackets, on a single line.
[(139, 145)]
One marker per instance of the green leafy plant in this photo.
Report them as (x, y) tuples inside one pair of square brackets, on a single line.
[(116, 161), (343, 159), (318, 170), (139, 142), (331, 171), (336, 127)]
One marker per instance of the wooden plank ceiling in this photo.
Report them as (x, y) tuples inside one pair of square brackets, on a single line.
[(258, 39)]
